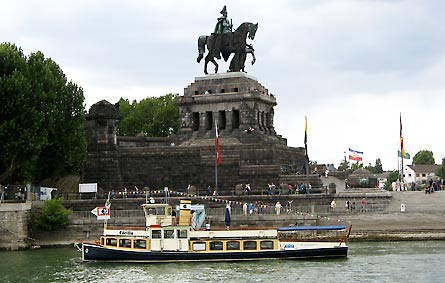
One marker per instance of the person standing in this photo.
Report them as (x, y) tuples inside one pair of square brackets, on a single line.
[(363, 205), (333, 205), (278, 208), (250, 208), (228, 215)]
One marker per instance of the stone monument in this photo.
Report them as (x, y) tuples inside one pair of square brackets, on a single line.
[(242, 108)]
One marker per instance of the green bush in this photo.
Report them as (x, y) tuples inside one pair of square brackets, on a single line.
[(53, 215)]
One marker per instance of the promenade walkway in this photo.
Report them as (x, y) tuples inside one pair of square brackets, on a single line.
[(423, 218)]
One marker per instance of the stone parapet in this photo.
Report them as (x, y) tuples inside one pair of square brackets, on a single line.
[(14, 218)]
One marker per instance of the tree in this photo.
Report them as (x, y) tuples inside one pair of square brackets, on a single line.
[(424, 157), (344, 165), (355, 166), (441, 170), (392, 177), (53, 215), (378, 168), (41, 118), (153, 116)]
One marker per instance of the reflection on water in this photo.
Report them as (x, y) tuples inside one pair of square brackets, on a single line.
[(367, 262)]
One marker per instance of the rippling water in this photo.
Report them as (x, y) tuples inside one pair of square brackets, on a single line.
[(419, 261)]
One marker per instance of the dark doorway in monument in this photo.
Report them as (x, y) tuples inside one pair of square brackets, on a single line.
[(195, 122), (222, 119), (222, 90), (262, 119), (235, 119), (209, 120)]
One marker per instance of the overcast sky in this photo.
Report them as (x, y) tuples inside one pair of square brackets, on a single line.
[(351, 67)]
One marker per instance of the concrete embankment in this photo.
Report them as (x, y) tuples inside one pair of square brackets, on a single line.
[(408, 216)]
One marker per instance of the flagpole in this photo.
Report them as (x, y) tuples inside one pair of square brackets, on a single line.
[(305, 149), (216, 157), (401, 149)]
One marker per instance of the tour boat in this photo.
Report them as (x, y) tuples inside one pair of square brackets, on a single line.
[(167, 239)]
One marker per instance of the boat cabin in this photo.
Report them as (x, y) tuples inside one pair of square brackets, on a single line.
[(163, 232)]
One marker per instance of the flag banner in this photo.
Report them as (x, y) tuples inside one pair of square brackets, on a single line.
[(218, 152), (305, 138), (102, 212), (406, 156), (402, 148), (355, 155)]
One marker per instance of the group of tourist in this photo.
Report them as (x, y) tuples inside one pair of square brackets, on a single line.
[(253, 208), (430, 186), (349, 206), (434, 186), (301, 188), (257, 208)]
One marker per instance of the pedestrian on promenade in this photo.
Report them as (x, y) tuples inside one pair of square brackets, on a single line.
[(278, 208), (250, 207), (333, 205), (363, 205)]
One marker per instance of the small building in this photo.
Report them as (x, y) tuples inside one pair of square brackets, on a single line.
[(362, 178), (419, 173)]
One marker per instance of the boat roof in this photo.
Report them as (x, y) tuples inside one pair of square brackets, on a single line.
[(307, 228), (154, 205)]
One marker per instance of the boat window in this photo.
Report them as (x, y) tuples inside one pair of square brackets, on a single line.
[(140, 244), (160, 210), (199, 246), (111, 242), (266, 245), (156, 234), (233, 245), (102, 241), (216, 246), (169, 234), (183, 234), (249, 245), (125, 243)]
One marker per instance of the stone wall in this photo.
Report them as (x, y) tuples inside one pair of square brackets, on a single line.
[(14, 225), (251, 151)]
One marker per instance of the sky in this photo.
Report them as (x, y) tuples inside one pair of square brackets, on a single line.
[(352, 67)]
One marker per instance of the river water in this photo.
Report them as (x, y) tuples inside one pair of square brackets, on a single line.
[(417, 261)]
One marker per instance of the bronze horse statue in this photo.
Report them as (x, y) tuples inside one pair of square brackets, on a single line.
[(226, 44)]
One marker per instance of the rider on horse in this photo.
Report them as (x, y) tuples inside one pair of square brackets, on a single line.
[(223, 27)]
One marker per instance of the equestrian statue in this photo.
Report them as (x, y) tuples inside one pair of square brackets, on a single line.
[(223, 41)]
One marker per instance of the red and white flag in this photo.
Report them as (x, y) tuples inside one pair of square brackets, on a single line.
[(218, 152)]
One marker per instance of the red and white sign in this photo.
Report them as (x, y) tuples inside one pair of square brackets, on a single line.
[(102, 212)]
